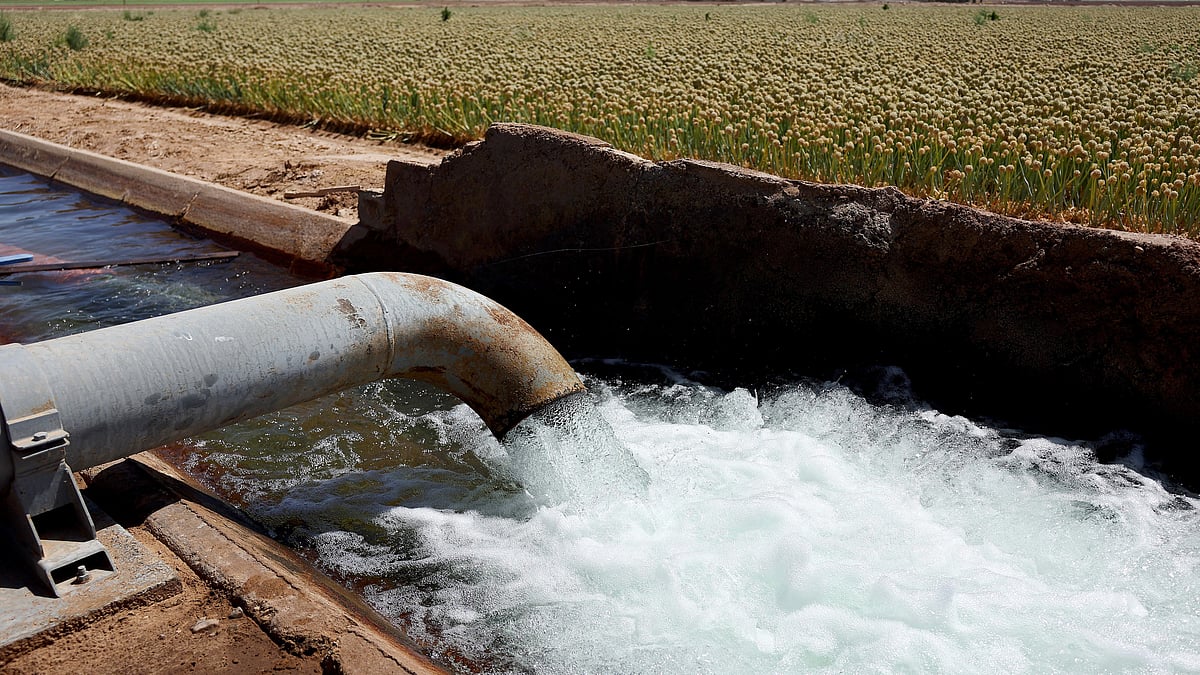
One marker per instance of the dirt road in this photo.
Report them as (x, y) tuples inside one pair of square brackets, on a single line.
[(261, 157)]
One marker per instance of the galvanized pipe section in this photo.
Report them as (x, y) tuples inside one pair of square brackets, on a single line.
[(133, 387)]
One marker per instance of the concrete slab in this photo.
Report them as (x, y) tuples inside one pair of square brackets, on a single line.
[(300, 608), (286, 233), (30, 615)]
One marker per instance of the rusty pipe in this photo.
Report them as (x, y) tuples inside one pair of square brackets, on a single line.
[(129, 388)]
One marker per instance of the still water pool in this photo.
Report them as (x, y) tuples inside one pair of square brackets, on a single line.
[(801, 528), (53, 221)]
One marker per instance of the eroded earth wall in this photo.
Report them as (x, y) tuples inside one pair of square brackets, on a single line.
[(720, 268)]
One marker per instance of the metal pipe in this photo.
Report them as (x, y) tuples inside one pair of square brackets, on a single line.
[(133, 387)]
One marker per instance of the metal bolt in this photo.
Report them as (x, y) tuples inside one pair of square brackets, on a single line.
[(39, 436), (82, 575)]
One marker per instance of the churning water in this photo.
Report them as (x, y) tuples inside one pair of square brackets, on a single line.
[(804, 530), (664, 526)]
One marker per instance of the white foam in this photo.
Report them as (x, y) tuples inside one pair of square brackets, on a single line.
[(567, 454), (807, 531)]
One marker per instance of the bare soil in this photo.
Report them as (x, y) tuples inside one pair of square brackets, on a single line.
[(264, 158), (159, 638)]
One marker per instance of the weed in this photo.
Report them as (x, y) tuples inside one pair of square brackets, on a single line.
[(206, 26), (203, 14), (1185, 72), (133, 16), (7, 34), (983, 16), (446, 14), (708, 16), (885, 6), (75, 39)]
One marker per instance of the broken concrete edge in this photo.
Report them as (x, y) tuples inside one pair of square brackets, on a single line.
[(163, 591), (299, 607), (294, 237), (710, 176), (1066, 329)]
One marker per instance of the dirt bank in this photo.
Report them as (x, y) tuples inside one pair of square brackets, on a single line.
[(159, 638), (260, 157)]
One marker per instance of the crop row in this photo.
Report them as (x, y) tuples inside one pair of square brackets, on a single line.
[(1090, 114)]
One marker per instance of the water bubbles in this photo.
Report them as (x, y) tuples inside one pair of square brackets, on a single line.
[(568, 453), (816, 531), (735, 411), (672, 527)]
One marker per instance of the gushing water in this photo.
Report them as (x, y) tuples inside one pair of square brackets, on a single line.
[(568, 454), (673, 528), (808, 530)]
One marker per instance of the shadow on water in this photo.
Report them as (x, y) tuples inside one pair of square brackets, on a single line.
[(1137, 451)]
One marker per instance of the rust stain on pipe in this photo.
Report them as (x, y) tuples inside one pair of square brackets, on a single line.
[(481, 352), (175, 376)]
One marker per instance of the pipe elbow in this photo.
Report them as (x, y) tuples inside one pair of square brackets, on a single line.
[(469, 346), (182, 374)]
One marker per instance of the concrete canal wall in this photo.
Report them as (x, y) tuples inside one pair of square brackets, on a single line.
[(294, 237), (1063, 328), (717, 267)]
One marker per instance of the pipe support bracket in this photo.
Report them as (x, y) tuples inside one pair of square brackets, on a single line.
[(128, 388), (43, 508)]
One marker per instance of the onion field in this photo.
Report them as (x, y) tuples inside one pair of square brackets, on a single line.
[(1084, 114)]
